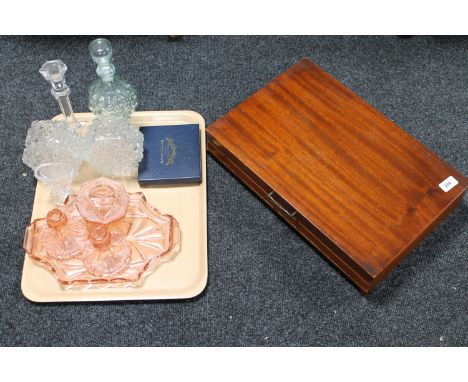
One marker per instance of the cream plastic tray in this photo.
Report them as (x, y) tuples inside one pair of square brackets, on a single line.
[(184, 276)]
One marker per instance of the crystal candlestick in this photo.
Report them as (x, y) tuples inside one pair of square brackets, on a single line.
[(54, 72), (55, 141), (109, 95)]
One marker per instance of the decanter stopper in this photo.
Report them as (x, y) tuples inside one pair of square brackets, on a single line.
[(54, 72), (109, 95), (101, 53)]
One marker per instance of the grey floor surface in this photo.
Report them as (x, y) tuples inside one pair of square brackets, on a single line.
[(266, 286)]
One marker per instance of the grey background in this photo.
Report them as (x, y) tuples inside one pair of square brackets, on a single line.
[(266, 286)]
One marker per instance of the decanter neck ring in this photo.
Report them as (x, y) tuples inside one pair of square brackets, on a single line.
[(106, 72)]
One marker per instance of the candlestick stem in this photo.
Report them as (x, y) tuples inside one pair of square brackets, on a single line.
[(54, 72)]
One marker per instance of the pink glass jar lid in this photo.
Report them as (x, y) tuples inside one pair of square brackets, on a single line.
[(102, 200)]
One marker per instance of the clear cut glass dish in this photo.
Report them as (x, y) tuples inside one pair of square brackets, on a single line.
[(122, 252)]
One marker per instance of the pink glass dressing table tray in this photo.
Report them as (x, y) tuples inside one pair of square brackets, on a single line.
[(184, 276)]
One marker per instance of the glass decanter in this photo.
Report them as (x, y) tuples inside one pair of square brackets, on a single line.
[(109, 95), (55, 141)]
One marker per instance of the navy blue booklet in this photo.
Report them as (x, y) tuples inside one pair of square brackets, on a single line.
[(171, 155)]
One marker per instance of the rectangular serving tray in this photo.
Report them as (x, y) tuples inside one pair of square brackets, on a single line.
[(354, 184), (184, 276)]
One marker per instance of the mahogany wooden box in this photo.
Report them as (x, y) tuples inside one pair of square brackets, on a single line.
[(354, 184)]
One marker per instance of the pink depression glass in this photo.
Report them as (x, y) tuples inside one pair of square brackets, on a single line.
[(121, 252), (107, 253), (64, 233), (102, 200)]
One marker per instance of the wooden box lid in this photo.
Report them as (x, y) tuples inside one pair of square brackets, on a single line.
[(357, 186)]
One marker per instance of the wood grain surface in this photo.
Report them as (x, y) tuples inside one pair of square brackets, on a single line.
[(357, 186)]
